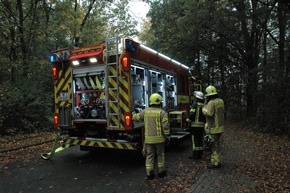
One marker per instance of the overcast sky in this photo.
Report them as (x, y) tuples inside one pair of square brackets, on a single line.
[(139, 10)]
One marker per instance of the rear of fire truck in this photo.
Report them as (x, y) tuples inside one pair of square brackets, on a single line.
[(95, 89), (92, 97)]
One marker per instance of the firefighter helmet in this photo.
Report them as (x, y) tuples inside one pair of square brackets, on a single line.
[(210, 90), (155, 99), (199, 95)]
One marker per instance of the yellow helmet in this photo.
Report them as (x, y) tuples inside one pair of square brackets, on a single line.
[(210, 90), (155, 99)]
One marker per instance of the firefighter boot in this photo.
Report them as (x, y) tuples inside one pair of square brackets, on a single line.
[(215, 161), (195, 152), (162, 174), (151, 175), (195, 155)]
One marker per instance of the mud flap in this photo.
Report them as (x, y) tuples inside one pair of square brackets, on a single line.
[(55, 149)]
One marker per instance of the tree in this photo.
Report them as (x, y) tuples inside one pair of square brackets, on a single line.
[(29, 30), (239, 46)]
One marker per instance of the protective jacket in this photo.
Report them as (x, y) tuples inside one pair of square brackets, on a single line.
[(155, 124), (196, 116), (214, 113)]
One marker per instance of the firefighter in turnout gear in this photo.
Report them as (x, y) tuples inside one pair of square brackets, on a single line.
[(196, 119), (156, 130), (214, 113)]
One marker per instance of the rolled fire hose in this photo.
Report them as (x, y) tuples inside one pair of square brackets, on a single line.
[(54, 149)]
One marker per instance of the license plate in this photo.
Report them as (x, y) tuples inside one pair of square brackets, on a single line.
[(63, 96)]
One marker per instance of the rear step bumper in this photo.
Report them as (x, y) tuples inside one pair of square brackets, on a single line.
[(179, 135), (102, 143)]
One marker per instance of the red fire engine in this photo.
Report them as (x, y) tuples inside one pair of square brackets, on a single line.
[(97, 87)]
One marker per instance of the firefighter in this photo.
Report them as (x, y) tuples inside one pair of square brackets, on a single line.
[(156, 130), (196, 119), (214, 127)]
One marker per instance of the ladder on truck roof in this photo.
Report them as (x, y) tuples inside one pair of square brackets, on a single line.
[(112, 92)]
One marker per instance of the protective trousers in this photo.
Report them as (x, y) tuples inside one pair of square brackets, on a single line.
[(197, 134), (153, 150), (215, 150)]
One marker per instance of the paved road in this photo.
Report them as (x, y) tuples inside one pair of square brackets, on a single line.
[(247, 167), (72, 170)]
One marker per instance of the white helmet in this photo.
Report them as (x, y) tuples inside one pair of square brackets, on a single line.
[(199, 95)]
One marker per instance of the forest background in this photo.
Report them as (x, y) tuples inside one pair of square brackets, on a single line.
[(240, 46)]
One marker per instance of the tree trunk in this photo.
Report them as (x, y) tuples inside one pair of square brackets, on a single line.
[(251, 44), (22, 38)]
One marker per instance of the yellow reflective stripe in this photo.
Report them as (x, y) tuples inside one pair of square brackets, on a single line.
[(124, 94), (197, 114), (161, 162), (83, 143), (75, 142), (119, 145), (100, 144), (154, 139), (192, 139), (56, 99), (151, 114), (158, 126), (113, 145), (92, 83), (113, 70), (197, 124), (98, 83), (149, 166), (199, 106), (109, 145), (113, 82), (165, 119), (65, 87), (114, 107), (166, 132), (68, 141), (68, 85), (115, 120), (124, 106)]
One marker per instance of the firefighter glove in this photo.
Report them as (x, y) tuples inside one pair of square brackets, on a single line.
[(208, 140), (206, 129)]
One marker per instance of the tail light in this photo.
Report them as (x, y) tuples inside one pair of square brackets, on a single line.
[(125, 62), (54, 73), (128, 120), (55, 120)]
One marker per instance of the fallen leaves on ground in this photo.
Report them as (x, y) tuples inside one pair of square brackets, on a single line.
[(259, 156), (21, 146), (253, 155), (268, 161)]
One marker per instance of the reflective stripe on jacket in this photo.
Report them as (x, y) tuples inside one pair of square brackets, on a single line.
[(214, 113), (196, 116), (155, 123)]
